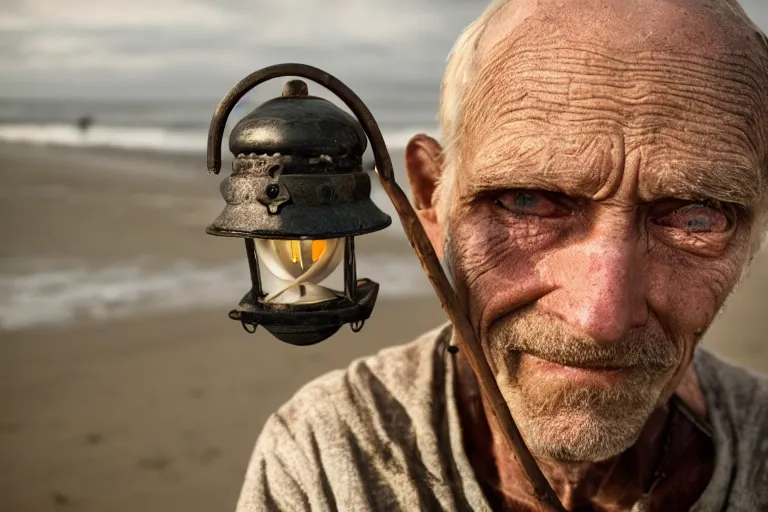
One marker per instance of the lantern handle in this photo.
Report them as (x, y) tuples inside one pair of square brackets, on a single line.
[(452, 304)]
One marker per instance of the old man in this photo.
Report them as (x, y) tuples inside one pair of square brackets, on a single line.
[(600, 189)]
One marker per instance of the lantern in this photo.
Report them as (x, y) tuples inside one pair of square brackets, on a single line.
[(298, 195)]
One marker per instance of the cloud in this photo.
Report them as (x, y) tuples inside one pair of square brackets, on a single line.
[(81, 47), (198, 48), (98, 14)]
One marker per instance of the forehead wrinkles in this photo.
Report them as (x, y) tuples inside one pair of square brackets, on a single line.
[(717, 101)]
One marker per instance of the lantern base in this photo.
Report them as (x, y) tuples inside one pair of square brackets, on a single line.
[(307, 324)]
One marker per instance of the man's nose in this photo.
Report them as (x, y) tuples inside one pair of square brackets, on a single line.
[(600, 289)]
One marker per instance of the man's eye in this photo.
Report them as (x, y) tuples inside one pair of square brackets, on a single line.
[(536, 203), (707, 217)]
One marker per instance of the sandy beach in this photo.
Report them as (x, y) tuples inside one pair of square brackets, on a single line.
[(123, 384)]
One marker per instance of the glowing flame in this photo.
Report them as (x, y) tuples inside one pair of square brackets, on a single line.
[(297, 248)]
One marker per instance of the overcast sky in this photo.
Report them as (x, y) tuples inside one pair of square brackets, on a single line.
[(198, 48)]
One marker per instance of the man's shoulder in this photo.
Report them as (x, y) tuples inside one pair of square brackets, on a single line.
[(401, 375), (737, 401), (740, 392), (356, 439)]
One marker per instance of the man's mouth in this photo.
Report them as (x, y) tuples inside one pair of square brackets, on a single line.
[(589, 374)]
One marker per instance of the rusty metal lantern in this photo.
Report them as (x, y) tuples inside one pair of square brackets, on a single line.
[(297, 181), (298, 196)]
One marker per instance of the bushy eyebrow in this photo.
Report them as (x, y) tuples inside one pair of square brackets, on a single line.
[(588, 169), (728, 182), (573, 183)]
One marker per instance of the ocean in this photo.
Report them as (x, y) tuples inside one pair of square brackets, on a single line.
[(178, 126)]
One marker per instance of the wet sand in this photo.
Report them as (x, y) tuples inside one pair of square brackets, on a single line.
[(158, 410)]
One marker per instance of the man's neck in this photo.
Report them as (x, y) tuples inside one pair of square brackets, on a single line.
[(672, 456)]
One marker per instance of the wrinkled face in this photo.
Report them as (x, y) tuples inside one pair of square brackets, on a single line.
[(602, 215)]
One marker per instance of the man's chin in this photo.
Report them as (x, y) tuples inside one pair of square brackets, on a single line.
[(579, 436), (581, 423)]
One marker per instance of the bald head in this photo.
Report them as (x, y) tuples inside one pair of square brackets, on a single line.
[(686, 26), (519, 48)]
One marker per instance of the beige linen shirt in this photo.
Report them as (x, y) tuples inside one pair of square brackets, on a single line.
[(385, 435)]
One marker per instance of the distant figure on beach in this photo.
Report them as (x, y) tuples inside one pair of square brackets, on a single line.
[(84, 123), (600, 189)]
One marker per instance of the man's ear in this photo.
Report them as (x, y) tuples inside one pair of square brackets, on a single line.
[(424, 162)]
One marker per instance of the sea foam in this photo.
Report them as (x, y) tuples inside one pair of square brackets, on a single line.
[(34, 292)]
